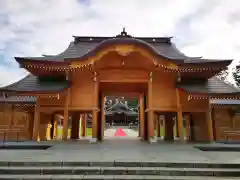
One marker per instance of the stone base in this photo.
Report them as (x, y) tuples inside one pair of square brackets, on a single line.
[(93, 140), (152, 140), (160, 138), (176, 138)]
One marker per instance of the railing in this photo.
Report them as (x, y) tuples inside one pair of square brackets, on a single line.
[(6, 132), (227, 133), (232, 135)]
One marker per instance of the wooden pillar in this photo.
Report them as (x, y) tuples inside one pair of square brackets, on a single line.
[(209, 123), (163, 122), (179, 116), (55, 127), (11, 119), (169, 123), (141, 115), (103, 116), (66, 115), (214, 124), (176, 127), (158, 123), (83, 125), (30, 126), (10, 115), (95, 107), (150, 122), (52, 126), (188, 127), (36, 123), (75, 126), (48, 130)]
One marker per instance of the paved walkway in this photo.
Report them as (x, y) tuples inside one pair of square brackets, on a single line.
[(129, 133), (119, 150)]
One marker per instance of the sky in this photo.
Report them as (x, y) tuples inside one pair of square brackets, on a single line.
[(208, 28)]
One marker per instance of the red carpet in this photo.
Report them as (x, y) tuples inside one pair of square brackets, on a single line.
[(120, 132)]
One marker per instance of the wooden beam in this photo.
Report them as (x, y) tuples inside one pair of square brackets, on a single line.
[(61, 108), (125, 81), (162, 109), (125, 94), (194, 110), (179, 116), (39, 94)]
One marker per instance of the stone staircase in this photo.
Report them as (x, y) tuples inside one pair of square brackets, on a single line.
[(117, 170)]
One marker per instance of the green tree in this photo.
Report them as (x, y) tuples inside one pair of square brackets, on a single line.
[(236, 76), (223, 74), (132, 102)]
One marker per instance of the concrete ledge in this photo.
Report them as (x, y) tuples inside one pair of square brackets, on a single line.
[(99, 177), (118, 164), (219, 147), (95, 170), (24, 147)]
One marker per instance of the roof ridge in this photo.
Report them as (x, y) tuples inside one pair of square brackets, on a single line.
[(119, 102), (112, 106), (126, 106), (140, 37)]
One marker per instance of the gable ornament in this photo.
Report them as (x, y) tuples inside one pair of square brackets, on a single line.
[(124, 50)]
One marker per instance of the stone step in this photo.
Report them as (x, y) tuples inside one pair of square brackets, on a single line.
[(122, 164), (105, 177), (162, 171)]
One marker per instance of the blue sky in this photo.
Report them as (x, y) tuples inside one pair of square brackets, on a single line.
[(208, 28)]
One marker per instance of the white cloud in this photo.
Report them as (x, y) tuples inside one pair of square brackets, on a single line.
[(33, 28)]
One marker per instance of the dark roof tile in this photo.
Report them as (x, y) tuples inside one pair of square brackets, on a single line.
[(31, 84), (119, 108), (211, 86), (83, 48)]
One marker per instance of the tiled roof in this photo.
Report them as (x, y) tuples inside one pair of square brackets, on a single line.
[(129, 113), (31, 84), (119, 108), (83, 50), (119, 105), (211, 86), (84, 47), (198, 61)]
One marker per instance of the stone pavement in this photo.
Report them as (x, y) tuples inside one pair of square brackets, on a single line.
[(120, 150), (129, 132)]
